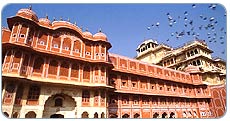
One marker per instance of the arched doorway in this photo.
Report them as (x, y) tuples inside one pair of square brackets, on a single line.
[(125, 116), (102, 115), (15, 115), (172, 115), (30, 114), (113, 116), (57, 116), (85, 115), (136, 115), (164, 115), (155, 115), (6, 114), (95, 115), (59, 101)]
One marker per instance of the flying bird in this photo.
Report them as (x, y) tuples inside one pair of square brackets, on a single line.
[(205, 18), (211, 18), (157, 24), (193, 5), (185, 13), (148, 28), (185, 18), (212, 6)]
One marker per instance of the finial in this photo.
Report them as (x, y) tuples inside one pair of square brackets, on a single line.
[(30, 7), (86, 29), (61, 18), (68, 20), (99, 30), (54, 19), (75, 23), (81, 28), (47, 16)]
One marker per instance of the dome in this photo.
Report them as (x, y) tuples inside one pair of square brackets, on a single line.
[(192, 69), (27, 13), (45, 21), (100, 36), (87, 34)]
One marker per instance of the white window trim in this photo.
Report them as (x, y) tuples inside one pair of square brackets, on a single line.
[(23, 35), (87, 53), (66, 48), (14, 35), (77, 50), (41, 42), (55, 46)]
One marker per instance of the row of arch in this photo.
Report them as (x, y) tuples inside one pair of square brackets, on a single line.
[(25, 34), (53, 68), (85, 114), (137, 115), (30, 114)]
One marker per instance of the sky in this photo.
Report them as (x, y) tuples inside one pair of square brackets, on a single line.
[(128, 25)]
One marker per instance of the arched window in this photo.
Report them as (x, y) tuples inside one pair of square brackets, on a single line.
[(10, 88), (85, 115), (103, 72), (42, 38), (95, 115), (125, 99), (15, 115), (64, 69), (15, 29), (135, 100), (30, 114), (164, 115), (198, 62), (96, 72), (172, 115), (97, 51), (75, 70), (184, 115), (102, 115), (53, 66), (6, 114), (77, 46), (66, 44), (188, 54), (125, 116), (23, 32), (58, 102), (194, 63), (87, 49), (103, 51), (96, 97), (136, 115), (86, 72), (195, 51), (30, 36), (155, 115), (191, 53), (56, 42), (38, 65), (85, 96), (34, 92), (17, 58)]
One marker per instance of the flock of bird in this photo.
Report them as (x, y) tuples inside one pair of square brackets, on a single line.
[(192, 29)]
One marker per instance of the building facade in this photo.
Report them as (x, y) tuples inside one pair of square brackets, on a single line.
[(197, 53), (55, 70)]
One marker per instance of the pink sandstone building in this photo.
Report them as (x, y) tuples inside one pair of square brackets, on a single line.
[(55, 70)]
